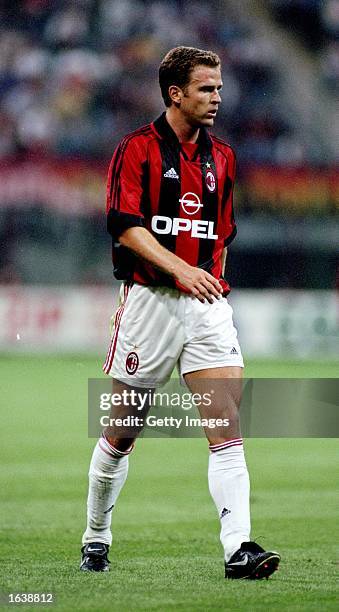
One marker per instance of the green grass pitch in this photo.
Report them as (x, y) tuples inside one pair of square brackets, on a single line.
[(166, 553)]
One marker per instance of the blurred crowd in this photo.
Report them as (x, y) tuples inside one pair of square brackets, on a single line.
[(317, 22), (76, 75)]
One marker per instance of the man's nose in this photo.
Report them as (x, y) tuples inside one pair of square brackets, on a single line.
[(216, 98)]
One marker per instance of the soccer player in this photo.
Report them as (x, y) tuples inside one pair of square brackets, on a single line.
[(170, 214)]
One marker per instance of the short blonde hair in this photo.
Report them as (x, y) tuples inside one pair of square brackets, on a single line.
[(177, 65)]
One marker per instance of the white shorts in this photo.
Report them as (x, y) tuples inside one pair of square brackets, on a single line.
[(157, 328)]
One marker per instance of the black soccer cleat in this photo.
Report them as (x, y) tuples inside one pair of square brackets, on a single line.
[(252, 562), (94, 557)]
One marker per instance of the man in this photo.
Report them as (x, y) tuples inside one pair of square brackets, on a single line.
[(170, 213)]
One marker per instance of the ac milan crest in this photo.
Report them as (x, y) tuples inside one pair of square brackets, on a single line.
[(210, 181), (132, 363)]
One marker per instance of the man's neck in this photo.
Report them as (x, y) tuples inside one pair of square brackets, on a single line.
[(183, 131)]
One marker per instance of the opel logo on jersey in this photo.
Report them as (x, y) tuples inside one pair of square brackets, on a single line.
[(210, 181), (198, 228), (190, 203), (132, 363)]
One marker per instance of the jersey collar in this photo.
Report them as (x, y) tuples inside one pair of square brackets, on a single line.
[(164, 130)]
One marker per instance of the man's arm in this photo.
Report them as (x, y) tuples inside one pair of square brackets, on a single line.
[(198, 282)]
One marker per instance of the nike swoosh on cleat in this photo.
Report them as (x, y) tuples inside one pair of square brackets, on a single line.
[(243, 562), (91, 550)]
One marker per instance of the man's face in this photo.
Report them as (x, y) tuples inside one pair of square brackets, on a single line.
[(200, 100)]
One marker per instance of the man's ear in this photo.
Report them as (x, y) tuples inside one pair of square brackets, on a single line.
[(175, 93)]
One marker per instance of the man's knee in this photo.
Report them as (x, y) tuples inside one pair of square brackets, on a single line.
[(228, 429), (121, 444)]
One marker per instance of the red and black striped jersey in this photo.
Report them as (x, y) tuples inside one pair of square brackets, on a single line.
[(181, 192)]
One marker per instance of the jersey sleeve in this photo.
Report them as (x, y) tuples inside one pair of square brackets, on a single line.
[(125, 187), (227, 199)]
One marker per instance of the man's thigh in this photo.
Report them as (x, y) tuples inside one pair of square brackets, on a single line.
[(128, 413), (224, 387)]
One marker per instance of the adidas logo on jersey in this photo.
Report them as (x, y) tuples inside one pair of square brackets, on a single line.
[(234, 351), (171, 173)]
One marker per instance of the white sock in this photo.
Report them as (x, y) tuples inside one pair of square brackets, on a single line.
[(229, 486), (107, 474)]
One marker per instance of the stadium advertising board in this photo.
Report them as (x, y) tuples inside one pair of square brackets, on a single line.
[(270, 323)]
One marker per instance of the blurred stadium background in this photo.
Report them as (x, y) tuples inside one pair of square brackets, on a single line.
[(75, 76)]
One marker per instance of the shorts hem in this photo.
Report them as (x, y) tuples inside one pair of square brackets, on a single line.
[(143, 384), (207, 366)]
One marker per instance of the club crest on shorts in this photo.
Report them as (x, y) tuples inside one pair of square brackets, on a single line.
[(132, 363), (210, 181)]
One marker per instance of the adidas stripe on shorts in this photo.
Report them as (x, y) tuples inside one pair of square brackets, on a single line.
[(157, 328)]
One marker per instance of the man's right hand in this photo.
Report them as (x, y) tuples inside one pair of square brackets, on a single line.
[(197, 282)]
